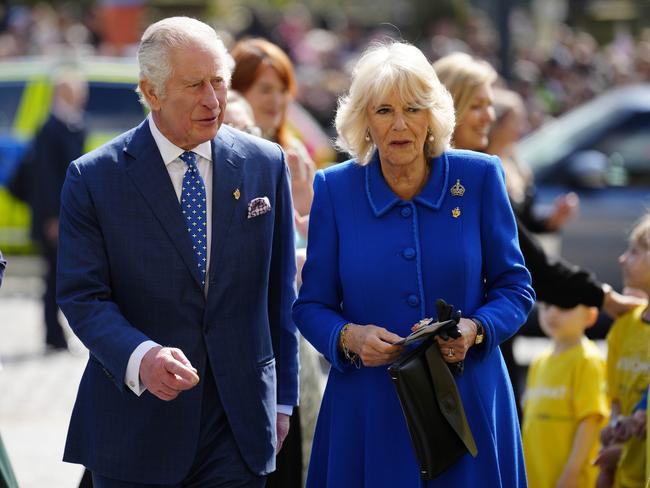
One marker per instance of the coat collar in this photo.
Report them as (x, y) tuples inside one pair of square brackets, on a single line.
[(382, 198)]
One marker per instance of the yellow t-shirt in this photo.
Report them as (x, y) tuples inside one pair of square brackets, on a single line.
[(561, 391), (628, 372)]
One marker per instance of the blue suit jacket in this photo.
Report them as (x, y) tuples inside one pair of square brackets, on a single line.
[(127, 273)]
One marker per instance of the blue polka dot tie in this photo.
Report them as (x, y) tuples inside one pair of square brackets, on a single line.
[(193, 204)]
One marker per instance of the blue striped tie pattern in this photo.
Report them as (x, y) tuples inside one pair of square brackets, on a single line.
[(193, 205)]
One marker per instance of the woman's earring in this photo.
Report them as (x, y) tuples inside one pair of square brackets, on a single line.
[(430, 134), (367, 138)]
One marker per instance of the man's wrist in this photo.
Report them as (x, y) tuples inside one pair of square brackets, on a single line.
[(132, 375), (285, 409)]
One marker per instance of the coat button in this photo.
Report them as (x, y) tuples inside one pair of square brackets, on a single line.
[(413, 300), (406, 212), (408, 253)]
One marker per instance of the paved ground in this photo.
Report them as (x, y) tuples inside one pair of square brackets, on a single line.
[(36, 390)]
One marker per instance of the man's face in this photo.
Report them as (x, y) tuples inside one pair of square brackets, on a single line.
[(192, 107)]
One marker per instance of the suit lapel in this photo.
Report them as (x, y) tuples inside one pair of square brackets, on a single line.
[(226, 178), (148, 172)]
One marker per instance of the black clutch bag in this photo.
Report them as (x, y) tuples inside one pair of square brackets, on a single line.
[(432, 408)]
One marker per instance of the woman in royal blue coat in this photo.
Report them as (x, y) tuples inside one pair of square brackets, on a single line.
[(404, 223)]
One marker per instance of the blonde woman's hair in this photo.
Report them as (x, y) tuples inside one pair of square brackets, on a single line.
[(385, 68), (463, 75)]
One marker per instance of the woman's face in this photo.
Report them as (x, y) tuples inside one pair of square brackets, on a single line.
[(268, 97), (473, 129), (398, 130)]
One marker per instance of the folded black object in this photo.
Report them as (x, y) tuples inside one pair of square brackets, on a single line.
[(432, 408)]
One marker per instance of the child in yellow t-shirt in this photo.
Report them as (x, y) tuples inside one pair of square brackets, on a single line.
[(565, 403), (628, 368)]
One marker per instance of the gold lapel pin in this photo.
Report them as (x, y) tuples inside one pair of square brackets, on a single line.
[(455, 213), (236, 194), (458, 190)]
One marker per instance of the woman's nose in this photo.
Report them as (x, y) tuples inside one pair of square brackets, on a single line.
[(489, 115), (400, 123)]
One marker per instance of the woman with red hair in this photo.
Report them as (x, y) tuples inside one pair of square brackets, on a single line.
[(265, 76)]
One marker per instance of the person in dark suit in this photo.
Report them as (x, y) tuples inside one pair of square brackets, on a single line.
[(176, 270), (59, 141)]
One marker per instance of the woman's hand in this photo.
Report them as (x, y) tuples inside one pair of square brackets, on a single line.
[(302, 179), (454, 350), (565, 208), (373, 344), (616, 304)]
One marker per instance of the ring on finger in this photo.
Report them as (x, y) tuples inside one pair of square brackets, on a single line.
[(450, 353)]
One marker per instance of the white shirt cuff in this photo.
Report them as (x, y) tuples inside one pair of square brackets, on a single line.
[(285, 409), (132, 375)]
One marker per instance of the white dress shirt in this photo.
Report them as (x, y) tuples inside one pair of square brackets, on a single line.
[(176, 168)]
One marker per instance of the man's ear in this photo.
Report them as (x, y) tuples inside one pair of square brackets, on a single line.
[(150, 95)]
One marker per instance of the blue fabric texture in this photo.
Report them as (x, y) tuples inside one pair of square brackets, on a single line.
[(193, 205), (373, 258)]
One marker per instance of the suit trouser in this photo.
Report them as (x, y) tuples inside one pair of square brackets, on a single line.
[(218, 462)]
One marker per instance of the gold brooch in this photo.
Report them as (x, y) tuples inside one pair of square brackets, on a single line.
[(458, 190), (236, 194), (455, 213)]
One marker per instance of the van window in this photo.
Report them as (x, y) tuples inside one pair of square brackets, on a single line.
[(113, 107), (10, 95)]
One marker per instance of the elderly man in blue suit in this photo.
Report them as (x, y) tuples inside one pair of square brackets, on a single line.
[(176, 270)]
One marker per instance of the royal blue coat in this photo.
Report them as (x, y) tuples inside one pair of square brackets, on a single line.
[(373, 258)]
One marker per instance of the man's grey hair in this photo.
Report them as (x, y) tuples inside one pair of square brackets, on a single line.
[(170, 33)]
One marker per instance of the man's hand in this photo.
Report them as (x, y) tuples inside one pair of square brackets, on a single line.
[(165, 372), (283, 421)]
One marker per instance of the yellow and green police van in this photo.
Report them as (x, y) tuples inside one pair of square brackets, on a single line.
[(25, 99)]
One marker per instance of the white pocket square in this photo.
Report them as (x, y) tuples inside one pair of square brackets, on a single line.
[(258, 206)]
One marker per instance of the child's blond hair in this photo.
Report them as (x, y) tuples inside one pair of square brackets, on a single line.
[(640, 234)]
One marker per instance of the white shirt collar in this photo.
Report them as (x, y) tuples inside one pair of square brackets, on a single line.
[(170, 151)]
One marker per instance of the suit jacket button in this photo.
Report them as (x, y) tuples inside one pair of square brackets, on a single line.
[(408, 253), (406, 212), (413, 300)]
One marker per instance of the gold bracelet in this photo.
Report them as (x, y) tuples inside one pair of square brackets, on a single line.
[(351, 356)]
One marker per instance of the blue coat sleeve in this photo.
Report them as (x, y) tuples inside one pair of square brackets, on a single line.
[(317, 312), (83, 282), (282, 293), (509, 294)]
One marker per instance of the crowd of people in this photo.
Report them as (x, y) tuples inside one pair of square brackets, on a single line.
[(188, 310), (566, 68)]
